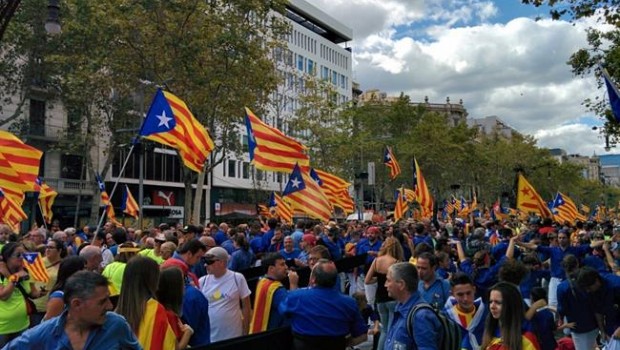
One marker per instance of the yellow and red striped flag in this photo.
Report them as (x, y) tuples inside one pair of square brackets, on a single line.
[(272, 150), (422, 195), (24, 159), (280, 208), (335, 189), (401, 205), (306, 195), (155, 332), (410, 195), (47, 196), (35, 266), (130, 206), (171, 123), (564, 209), (11, 212), (529, 201), (265, 289), (390, 161)]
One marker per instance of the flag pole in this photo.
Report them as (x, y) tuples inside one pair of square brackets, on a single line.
[(120, 173), (43, 216)]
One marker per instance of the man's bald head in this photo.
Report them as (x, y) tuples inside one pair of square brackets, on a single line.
[(93, 257), (208, 241), (324, 274)]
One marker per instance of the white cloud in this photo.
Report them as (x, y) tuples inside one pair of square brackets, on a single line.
[(438, 48)]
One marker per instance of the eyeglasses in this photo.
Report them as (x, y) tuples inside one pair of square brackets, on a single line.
[(17, 256)]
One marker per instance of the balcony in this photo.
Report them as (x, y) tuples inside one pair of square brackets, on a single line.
[(71, 187)]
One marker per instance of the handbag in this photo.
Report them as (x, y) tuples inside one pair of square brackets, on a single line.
[(30, 307)]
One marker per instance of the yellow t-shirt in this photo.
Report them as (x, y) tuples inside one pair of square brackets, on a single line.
[(52, 271), (13, 313), (150, 253), (114, 273)]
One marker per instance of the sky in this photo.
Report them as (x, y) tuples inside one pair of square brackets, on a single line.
[(494, 55)]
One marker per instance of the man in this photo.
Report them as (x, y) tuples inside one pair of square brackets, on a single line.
[(402, 285), (433, 289), (189, 232), (93, 257), (155, 252), (468, 313), (87, 323), (106, 254), (38, 236), (222, 234), (322, 317), (270, 293), (190, 253), (603, 292), (225, 290), (369, 245), (298, 234), (290, 253), (276, 243)]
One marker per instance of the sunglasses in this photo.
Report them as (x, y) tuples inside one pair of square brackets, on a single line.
[(208, 261)]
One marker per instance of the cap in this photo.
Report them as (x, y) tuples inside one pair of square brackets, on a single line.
[(160, 237), (190, 229), (175, 263), (309, 239), (217, 253), (163, 226)]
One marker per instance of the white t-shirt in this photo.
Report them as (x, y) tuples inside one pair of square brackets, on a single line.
[(224, 295)]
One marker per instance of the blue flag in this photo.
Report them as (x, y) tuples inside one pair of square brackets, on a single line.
[(160, 117), (614, 98)]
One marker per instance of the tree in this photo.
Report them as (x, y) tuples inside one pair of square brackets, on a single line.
[(212, 54)]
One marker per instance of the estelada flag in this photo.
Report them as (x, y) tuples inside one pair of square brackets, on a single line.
[(35, 266)]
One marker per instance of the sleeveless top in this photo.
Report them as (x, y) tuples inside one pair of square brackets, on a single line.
[(382, 294)]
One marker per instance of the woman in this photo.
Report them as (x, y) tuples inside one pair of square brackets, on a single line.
[(115, 270), (67, 268), (242, 258), (145, 315), (170, 295), (504, 325), (55, 251), (14, 289), (391, 252)]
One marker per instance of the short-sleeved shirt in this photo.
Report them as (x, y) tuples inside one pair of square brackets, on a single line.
[(13, 313), (224, 294), (150, 253), (324, 312), (114, 272)]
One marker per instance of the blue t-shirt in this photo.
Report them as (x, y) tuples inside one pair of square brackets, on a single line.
[(556, 254), (574, 305), (437, 294), (321, 311), (543, 324), (196, 315), (240, 260), (290, 256), (115, 333)]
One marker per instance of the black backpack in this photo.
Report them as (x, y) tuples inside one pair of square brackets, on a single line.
[(452, 335)]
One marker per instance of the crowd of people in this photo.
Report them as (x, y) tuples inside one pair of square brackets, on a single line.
[(512, 284)]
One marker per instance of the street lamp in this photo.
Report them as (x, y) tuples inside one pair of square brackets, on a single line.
[(52, 23), (608, 142)]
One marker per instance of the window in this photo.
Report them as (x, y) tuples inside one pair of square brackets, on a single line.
[(245, 143), (310, 67), (245, 170), (37, 117), (232, 168), (260, 175), (71, 167), (300, 62), (325, 73), (335, 78), (342, 81)]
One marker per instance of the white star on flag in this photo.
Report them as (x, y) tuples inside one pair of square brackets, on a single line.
[(295, 182), (163, 120)]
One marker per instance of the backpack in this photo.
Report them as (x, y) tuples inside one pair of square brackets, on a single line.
[(452, 333)]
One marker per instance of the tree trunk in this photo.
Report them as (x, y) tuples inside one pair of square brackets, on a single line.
[(195, 219)]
